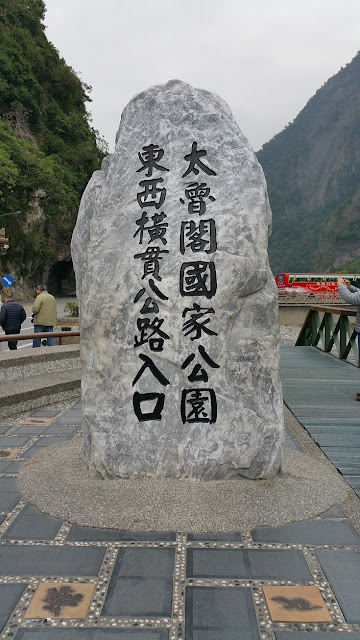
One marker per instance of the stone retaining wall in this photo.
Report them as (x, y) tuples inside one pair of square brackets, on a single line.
[(14, 365)]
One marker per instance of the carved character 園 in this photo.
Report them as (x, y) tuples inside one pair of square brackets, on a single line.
[(198, 405)]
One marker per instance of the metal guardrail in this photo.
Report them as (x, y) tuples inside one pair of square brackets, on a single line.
[(48, 334), (320, 327), (288, 299)]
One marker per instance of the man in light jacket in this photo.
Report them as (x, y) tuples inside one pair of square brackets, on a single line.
[(45, 314), (351, 294)]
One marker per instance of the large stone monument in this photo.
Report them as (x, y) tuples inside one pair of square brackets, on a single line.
[(178, 306)]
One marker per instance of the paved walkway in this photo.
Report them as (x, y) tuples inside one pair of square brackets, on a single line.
[(67, 582), (320, 390)]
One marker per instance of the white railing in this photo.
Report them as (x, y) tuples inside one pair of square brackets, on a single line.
[(306, 299)]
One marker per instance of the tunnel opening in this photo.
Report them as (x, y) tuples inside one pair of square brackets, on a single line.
[(61, 280)]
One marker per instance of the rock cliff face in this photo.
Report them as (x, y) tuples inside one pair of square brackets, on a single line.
[(178, 307), (48, 150), (312, 170)]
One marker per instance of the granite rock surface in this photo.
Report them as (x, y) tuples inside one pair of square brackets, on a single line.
[(178, 306)]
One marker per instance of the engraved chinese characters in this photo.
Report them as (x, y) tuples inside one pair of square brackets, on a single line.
[(179, 320), (196, 279), (149, 329)]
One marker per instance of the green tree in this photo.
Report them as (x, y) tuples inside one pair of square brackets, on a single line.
[(47, 145)]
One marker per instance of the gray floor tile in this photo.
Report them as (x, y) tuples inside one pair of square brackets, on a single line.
[(9, 494), (239, 563), (42, 560), (334, 512), (290, 444), (143, 562), (8, 501), (9, 485), (13, 466), (42, 443), (31, 524), (220, 614), (220, 537), (13, 441), (88, 534), (42, 413), (9, 595), (30, 430), (4, 465), (141, 583), (342, 569), (91, 634), (58, 429), (310, 532), (149, 597), (4, 429), (74, 418), (323, 635)]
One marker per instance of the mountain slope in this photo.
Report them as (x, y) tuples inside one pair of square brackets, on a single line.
[(312, 169), (48, 150)]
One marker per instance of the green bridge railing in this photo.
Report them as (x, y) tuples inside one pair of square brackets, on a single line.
[(320, 328)]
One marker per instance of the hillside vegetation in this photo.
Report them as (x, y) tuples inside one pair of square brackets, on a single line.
[(312, 169), (48, 150)]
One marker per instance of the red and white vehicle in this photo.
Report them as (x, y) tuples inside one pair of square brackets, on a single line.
[(323, 285)]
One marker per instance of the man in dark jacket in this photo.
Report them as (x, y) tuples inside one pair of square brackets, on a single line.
[(12, 315)]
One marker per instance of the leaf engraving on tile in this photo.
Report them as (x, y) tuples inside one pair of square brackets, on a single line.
[(295, 604), (4, 453), (62, 597)]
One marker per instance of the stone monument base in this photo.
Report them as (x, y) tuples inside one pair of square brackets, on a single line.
[(59, 485)]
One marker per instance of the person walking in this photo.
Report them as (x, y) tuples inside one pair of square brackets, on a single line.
[(45, 314), (351, 294), (12, 315)]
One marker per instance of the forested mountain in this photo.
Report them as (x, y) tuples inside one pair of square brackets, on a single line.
[(48, 150), (313, 174)]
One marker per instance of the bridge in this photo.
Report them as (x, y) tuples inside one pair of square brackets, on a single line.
[(320, 390)]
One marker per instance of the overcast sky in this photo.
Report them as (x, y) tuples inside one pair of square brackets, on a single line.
[(266, 58)]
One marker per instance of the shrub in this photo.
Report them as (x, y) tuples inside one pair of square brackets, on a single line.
[(72, 308)]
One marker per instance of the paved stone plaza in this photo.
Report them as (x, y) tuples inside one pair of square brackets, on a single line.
[(61, 580)]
